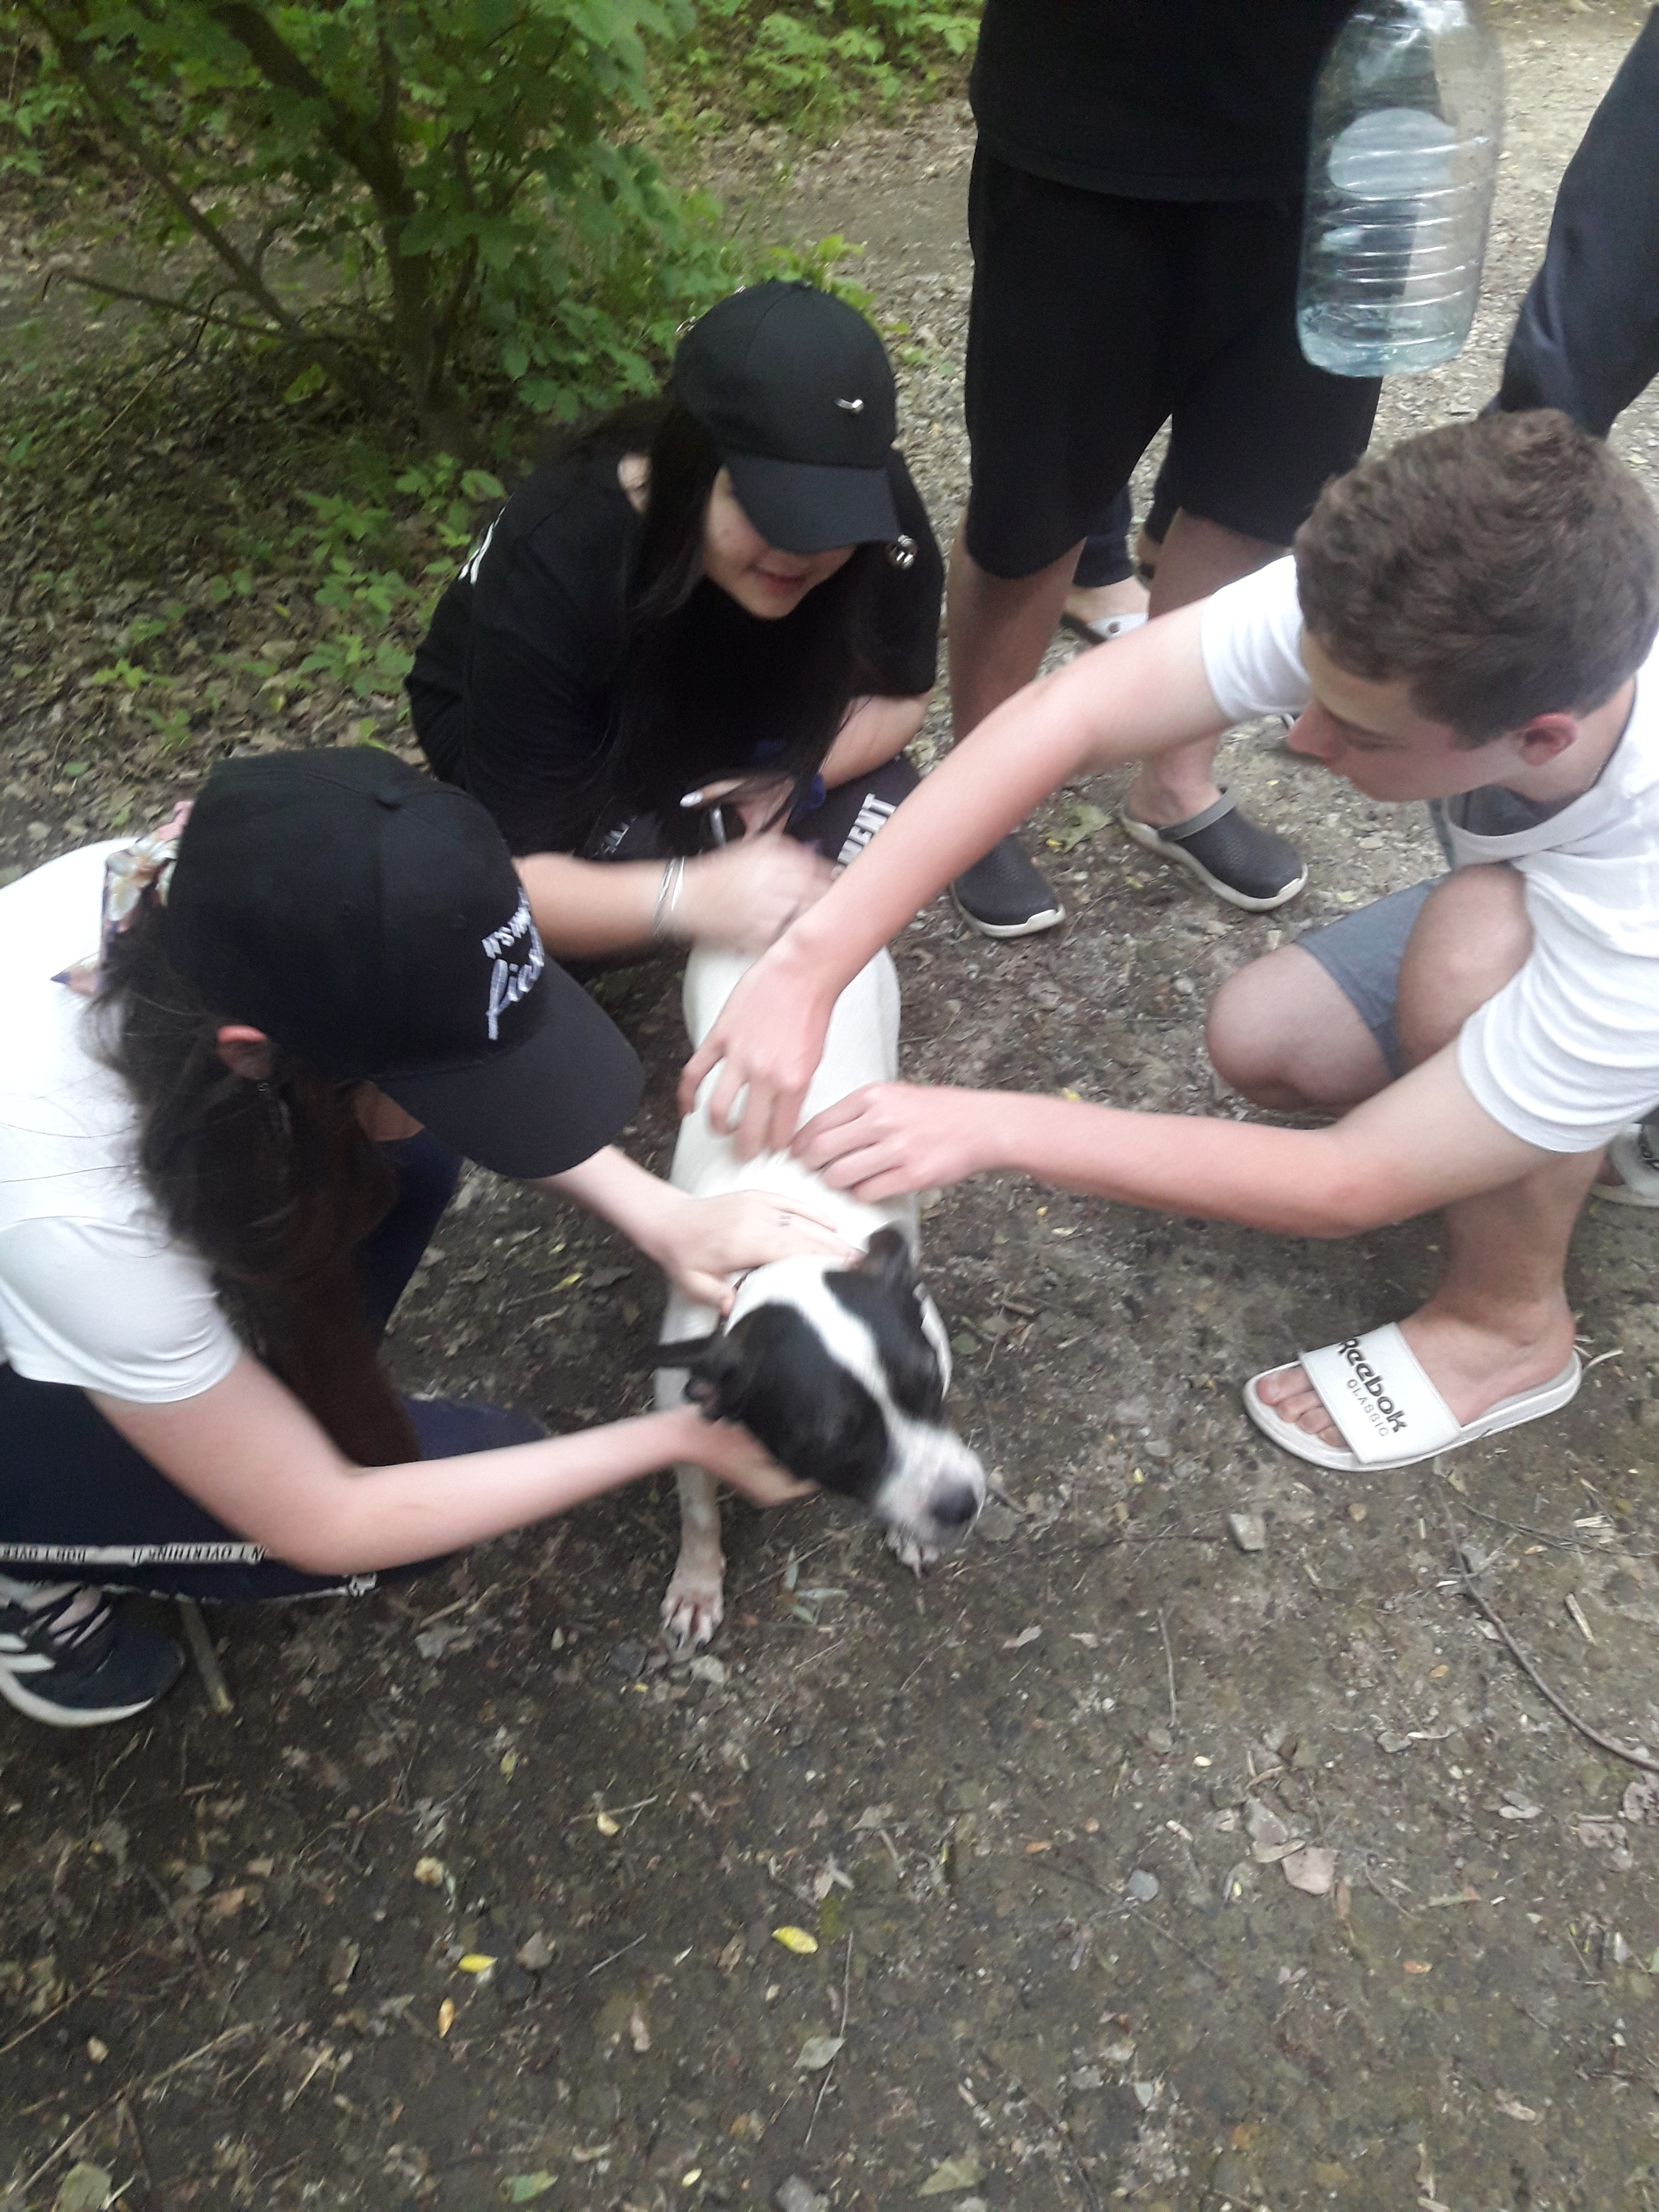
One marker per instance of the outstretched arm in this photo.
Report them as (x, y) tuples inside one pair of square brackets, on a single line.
[(249, 1452), (1148, 695), (1417, 1145)]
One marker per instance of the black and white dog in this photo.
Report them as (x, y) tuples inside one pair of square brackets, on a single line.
[(840, 1372)]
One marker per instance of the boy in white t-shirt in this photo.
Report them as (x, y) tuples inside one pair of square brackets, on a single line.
[(1467, 619)]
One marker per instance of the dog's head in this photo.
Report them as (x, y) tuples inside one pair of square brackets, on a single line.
[(842, 1374)]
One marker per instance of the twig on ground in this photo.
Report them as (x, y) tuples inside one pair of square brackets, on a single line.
[(615, 1956), (206, 1658), (1607, 1743), (125, 2096), (75, 1997), (824, 2086), (129, 2120), (1523, 1528), (1169, 1668)]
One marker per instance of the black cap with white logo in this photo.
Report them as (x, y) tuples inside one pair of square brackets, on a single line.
[(368, 920), (796, 390)]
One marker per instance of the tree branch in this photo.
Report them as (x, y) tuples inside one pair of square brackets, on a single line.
[(100, 285), (344, 131), (102, 89)]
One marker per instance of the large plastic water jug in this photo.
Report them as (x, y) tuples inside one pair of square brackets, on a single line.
[(1402, 160)]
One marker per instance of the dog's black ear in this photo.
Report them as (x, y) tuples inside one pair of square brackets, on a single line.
[(717, 1374), (682, 1354), (890, 1260)]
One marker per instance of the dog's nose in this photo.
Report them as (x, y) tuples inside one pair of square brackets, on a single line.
[(955, 1508)]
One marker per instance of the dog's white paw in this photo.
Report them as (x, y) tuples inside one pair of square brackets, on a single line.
[(693, 1608), (909, 1551)]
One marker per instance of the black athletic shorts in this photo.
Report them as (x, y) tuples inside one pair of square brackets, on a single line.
[(1095, 320)]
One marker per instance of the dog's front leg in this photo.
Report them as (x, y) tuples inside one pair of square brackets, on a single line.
[(692, 1611)]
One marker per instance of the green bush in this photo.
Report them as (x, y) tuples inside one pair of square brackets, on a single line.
[(418, 202), (808, 64)]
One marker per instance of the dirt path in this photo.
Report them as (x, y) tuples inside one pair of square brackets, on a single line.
[(1025, 1808)]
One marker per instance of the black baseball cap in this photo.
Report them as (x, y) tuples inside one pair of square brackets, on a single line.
[(368, 919), (796, 390)]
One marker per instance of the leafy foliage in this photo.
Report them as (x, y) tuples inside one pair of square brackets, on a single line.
[(807, 63), (416, 198)]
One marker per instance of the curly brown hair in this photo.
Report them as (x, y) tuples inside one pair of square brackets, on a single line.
[(1506, 568)]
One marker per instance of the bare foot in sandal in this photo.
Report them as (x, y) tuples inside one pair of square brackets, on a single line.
[(1472, 1367)]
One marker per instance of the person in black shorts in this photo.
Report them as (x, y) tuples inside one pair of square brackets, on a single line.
[(1135, 215), (710, 616)]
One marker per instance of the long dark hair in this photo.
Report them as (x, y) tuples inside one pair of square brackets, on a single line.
[(273, 1182), (670, 716)]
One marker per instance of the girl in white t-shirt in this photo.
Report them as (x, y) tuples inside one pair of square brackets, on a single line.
[(227, 1127)]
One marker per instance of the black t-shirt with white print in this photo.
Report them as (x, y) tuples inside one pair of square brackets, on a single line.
[(514, 686)]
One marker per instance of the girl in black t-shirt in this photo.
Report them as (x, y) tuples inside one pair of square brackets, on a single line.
[(730, 593)]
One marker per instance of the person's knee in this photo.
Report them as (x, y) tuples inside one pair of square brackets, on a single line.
[(1250, 1042), (1471, 938), (1285, 1034)]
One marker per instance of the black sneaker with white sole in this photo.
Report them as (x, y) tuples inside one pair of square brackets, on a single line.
[(1003, 895), (1240, 861), (76, 1664)]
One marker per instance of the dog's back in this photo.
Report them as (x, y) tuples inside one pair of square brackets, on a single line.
[(860, 1047)]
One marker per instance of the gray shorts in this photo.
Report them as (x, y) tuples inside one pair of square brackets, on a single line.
[(1362, 953)]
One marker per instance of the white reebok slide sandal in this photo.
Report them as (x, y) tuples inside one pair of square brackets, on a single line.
[(1387, 1409)]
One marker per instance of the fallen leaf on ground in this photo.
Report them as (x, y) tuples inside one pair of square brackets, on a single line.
[(475, 1962), (430, 1872), (83, 2189), (795, 2194), (1641, 1800), (817, 2052), (1262, 1827), (526, 2188), (445, 2016), (1313, 1870), (953, 2173), (606, 1826), (1513, 2106), (1601, 1832), (1018, 1643), (638, 2033), (1083, 819), (833, 1877), (1418, 1966), (535, 1952), (795, 1939)]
